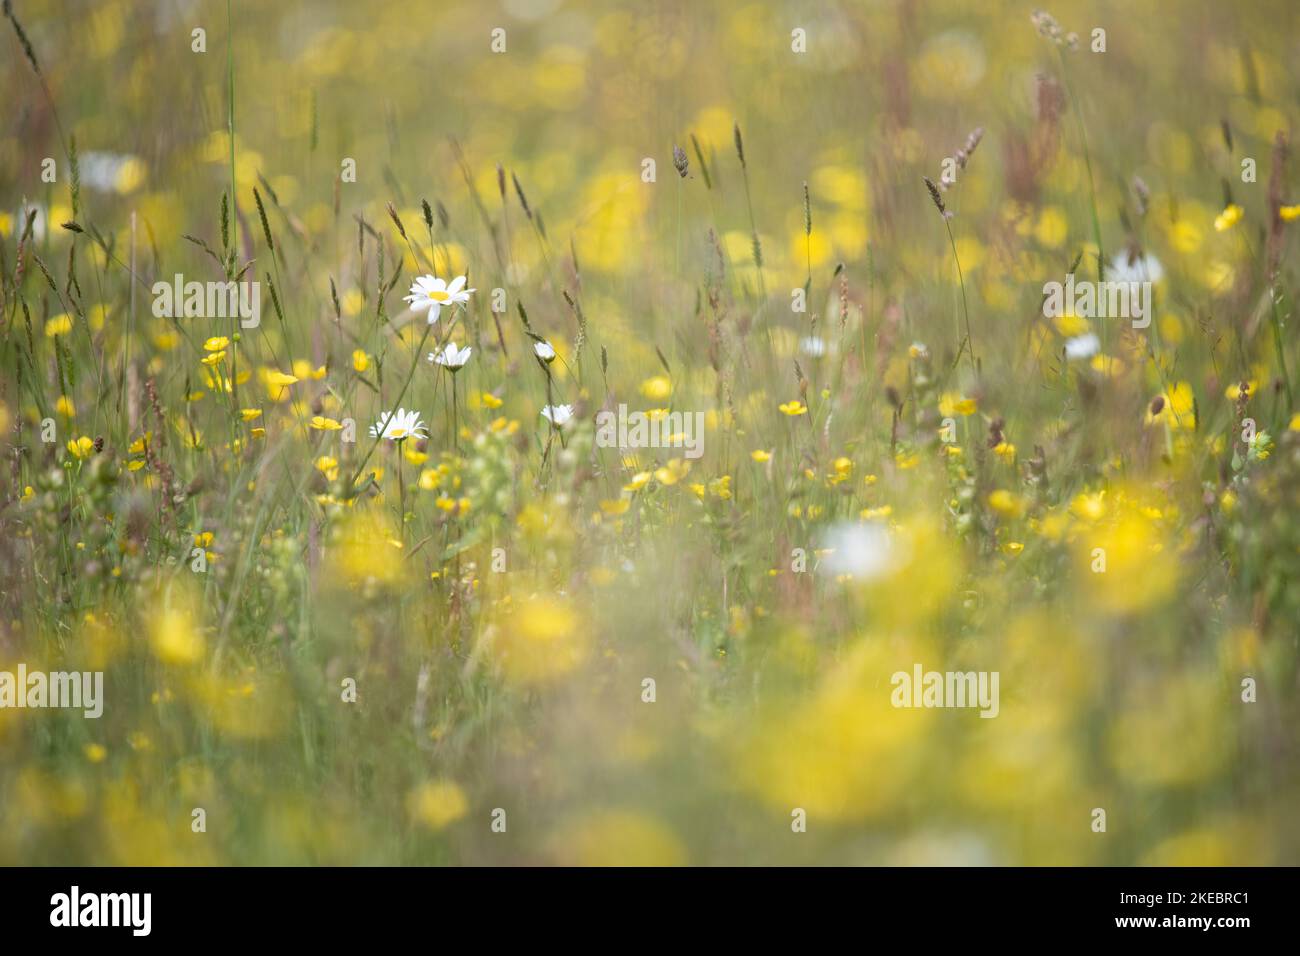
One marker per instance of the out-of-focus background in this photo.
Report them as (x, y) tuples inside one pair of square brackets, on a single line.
[(917, 467)]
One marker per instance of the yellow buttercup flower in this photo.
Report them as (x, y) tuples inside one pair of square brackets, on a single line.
[(82, 447), (793, 408), (302, 369), (1070, 325), (277, 384), (952, 404), (1089, 507), (673, 472), (1230, 216)]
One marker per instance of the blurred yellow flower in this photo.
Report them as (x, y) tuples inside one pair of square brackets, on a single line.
[(541, 641), (365, 550), (673, 472), (1089, 507), (437, 804), (1239, 390), (951, 404), (657, 388), (1230, 216), (1125, 565), (605, 838), (1005, 503), (327, 466), (175, 637)]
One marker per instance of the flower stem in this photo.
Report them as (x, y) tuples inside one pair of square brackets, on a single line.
[(969, 342), (405, 385), (401, 496)]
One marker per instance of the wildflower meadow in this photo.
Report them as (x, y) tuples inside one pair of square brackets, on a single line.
[(562, 432)]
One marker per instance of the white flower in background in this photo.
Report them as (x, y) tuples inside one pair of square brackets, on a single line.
[(39, 222), (451, 357), (813, 346), (544, 351), (399, 426), (1082, 346), (429, 293), (111, 172), (558, 415), (863, 551), (1137, 269)]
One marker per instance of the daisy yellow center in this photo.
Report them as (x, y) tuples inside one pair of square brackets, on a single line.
[(399, 432), (439, 296)]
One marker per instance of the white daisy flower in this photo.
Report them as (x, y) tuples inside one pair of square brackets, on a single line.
[(429, 293), (544, 351), (558, 415), (451, 358), (1082, 346), (399, 426)]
